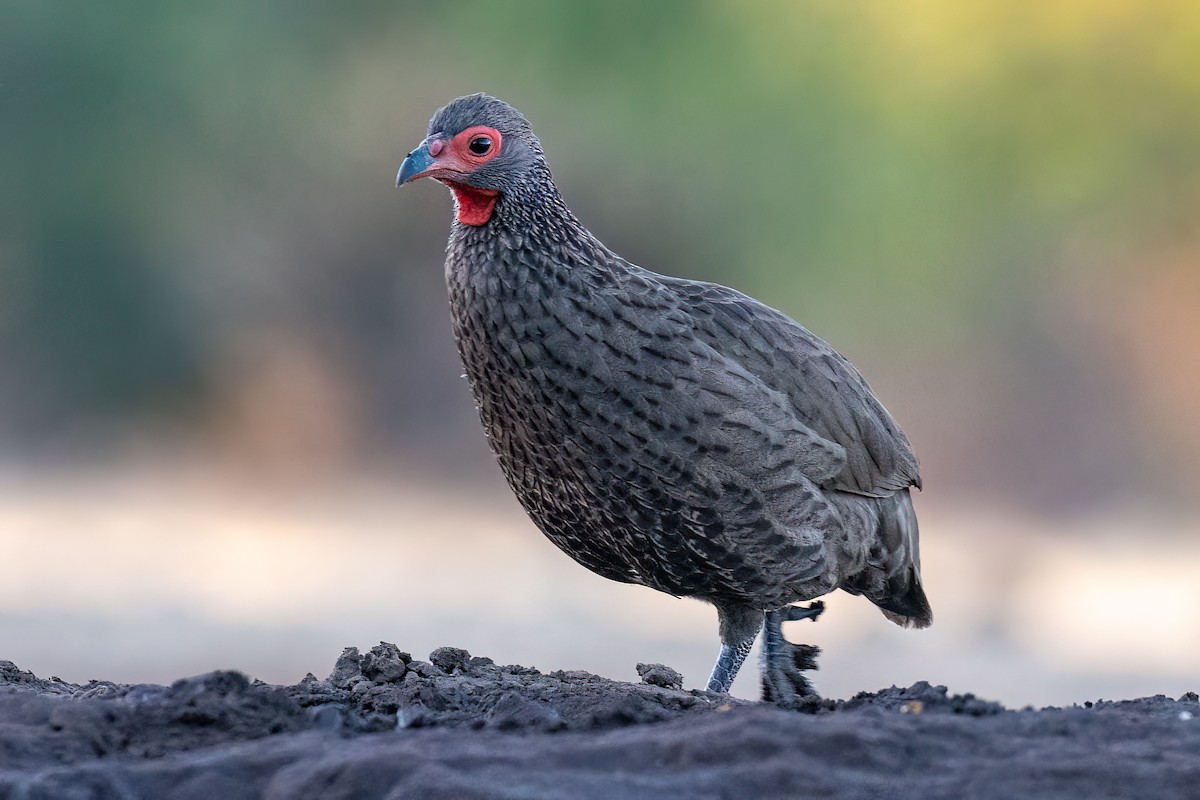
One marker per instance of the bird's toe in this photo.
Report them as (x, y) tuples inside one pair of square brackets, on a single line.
[(783, 679)]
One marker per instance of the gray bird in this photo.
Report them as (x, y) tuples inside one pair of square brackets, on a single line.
[(670, 433)]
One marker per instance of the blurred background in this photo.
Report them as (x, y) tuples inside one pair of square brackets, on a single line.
[(232, 427)]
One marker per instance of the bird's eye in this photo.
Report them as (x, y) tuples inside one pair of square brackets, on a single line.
[(480, 145)]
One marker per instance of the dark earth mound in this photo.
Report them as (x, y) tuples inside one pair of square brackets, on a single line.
[(384, 725)]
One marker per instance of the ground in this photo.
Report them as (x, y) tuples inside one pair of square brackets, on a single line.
[(386, 725)]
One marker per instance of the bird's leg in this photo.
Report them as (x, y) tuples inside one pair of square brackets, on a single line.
[(728, 663), (784, 663), (739, 627)]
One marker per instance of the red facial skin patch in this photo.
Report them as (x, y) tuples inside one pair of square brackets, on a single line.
[(453, 159), (473, 206)]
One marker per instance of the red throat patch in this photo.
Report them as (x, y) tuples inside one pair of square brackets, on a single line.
[(473, 206)]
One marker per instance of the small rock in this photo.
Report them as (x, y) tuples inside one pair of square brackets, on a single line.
[(385, 663), (660, 675), (450, 659), (347, 670)]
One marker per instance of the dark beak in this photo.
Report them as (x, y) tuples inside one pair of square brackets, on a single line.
[(416, 164)]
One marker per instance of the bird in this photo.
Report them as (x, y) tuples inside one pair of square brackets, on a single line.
[(666, 432)]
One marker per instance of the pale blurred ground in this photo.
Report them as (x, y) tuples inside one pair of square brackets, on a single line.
[(149, 572)]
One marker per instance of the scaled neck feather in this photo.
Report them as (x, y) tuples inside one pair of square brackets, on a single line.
[(529, 224)]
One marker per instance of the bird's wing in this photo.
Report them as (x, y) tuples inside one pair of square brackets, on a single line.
[(826, 393), (707, 456), (631, 353)]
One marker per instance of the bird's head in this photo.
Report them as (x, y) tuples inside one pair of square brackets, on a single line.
[(481, 148)]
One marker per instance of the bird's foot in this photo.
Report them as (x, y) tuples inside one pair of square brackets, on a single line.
[(810, 611), (784, 663), (783, 680)]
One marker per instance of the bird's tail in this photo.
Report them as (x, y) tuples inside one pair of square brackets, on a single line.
[(898, 591), (907, 606)]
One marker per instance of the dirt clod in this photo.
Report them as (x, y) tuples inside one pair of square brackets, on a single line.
[(660, 675)]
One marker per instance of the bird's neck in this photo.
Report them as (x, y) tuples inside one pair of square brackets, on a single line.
[(531, 217)]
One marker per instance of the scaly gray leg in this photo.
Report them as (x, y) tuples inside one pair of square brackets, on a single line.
[(784, 663), (739, 627), (728, 663)]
